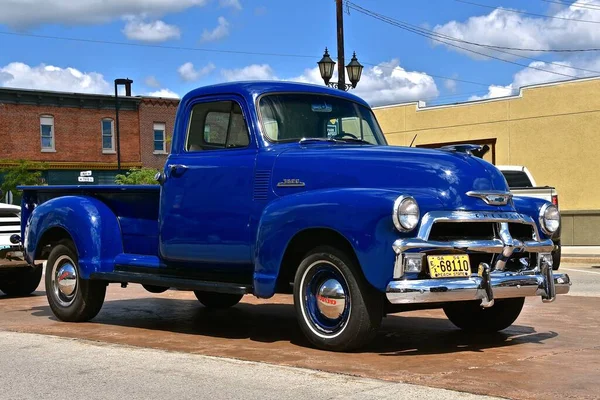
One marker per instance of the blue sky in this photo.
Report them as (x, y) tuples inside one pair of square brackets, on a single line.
[(410, 66)]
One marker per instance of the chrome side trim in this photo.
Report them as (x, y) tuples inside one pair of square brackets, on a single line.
[(432, 217), (492, 197), (503, 285)]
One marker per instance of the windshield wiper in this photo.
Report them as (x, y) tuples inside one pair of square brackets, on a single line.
[(356, 140)]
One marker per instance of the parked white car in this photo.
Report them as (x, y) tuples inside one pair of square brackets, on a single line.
[(17, 277), (522, 184)]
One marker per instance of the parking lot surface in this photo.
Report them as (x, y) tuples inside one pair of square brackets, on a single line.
[(552, 351)]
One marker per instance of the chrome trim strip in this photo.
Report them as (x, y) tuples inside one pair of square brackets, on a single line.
[(495, 246), (432, 217), (492, 197), (503, 284)]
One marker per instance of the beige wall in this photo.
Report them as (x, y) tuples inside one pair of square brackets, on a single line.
[(552, 129)]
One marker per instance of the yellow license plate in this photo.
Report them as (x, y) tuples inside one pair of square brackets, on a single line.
[(449, 266)]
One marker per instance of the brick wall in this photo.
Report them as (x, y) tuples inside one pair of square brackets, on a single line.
[(154, 110), (77, 134)]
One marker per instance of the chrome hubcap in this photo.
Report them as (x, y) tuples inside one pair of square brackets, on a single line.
[(331, 299), (64, 280)]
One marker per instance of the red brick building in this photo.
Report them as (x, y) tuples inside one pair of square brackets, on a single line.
[(74, 132)]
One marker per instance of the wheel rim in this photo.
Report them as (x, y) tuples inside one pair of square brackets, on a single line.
[(64, 280), (325, 299)]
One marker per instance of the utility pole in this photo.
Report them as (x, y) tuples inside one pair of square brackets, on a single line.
[(340, 44)]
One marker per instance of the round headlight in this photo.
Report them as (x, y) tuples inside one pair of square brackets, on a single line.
[(549, 219), (405, 214)]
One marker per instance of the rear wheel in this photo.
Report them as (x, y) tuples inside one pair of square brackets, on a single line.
[(71, 298), (336, 308), (471, 317), (217, 300), (23, 281)]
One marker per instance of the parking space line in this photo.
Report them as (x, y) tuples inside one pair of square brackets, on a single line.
[(580, 270)]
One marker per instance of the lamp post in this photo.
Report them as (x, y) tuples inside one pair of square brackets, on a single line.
[(127, 83), (327, 65)]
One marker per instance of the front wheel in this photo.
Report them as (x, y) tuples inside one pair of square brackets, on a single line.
[(336, 308), (23, 282), (471, 317), (70, 297)]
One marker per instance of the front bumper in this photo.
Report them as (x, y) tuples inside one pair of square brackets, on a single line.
[(499, 285)]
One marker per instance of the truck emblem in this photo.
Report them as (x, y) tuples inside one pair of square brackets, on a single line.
[(493, 198), (291, 183)]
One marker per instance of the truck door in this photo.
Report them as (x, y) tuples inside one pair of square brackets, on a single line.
[(206, 199)]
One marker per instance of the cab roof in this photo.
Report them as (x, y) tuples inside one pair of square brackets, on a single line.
[(254, 89)]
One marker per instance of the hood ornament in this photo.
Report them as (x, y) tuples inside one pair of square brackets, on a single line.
[(492, 197)]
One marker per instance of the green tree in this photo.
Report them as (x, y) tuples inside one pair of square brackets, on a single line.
[(22, 174), (137, 176)]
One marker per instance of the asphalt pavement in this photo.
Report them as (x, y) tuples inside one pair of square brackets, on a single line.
[(80, 369), (585, 278)]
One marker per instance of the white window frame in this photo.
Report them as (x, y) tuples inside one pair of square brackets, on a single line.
[(112, 136), (44, 121), (160, 126)]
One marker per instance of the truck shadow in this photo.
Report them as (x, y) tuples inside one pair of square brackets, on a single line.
[(407, 334)]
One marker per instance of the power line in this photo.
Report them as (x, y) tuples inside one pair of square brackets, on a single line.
[(179, 48), (589, 6), (406, 27), (528, 13)]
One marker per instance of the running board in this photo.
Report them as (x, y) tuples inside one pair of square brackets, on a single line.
[(171, 282)]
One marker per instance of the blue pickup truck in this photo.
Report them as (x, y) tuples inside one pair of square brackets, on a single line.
[(291, 188)]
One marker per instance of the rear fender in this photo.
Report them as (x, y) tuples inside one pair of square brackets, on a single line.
[(362, 216), (93, 227)]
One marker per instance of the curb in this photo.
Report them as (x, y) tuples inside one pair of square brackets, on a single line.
[(580, 259)]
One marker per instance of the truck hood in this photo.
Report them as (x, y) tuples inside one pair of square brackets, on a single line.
[(442, 175)]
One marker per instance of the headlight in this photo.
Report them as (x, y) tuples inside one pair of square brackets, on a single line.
[(549, 219), (405, 214)]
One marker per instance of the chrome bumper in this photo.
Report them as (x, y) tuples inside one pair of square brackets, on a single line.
[(490, 286)]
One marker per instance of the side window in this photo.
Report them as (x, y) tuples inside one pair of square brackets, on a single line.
[(217, 125)]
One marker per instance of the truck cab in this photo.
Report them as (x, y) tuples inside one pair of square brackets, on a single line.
[(278, 187)]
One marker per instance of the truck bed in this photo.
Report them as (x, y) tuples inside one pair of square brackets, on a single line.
[(136, 207)]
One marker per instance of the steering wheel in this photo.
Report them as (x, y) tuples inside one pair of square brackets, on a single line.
[(343, 134)]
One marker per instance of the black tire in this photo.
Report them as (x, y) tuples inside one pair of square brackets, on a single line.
[(357, 320), (155, 289), (556, 254), (88, 296), (23, 282), (217, 300), (471, 317)]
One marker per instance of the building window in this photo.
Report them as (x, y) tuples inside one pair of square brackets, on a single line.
[(108, 136), (159, 138), (47, 132)]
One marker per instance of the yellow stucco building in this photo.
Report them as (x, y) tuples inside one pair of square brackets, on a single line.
[(552, 129)]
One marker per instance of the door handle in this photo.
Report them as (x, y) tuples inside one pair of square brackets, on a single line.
[(177, 169)]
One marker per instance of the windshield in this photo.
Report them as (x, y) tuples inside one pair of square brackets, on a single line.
[(292, 117)]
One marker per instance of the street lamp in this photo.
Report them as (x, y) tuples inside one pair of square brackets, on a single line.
[(354, 70), (127, 83)]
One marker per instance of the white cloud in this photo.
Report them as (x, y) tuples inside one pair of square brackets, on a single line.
[(221, 31), (451, 84), (235, 4), (153, 31), (48, 77), (528, 76), (152, 82), (189, 73), (505, 28), (165, 93), (22, 14), (385, 83), (254, 72)]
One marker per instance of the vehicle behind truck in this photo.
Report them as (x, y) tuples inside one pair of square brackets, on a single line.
[(278, 187), (17, 277)]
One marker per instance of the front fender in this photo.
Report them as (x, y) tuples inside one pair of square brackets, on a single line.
[(93, 227), (362, 216)]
